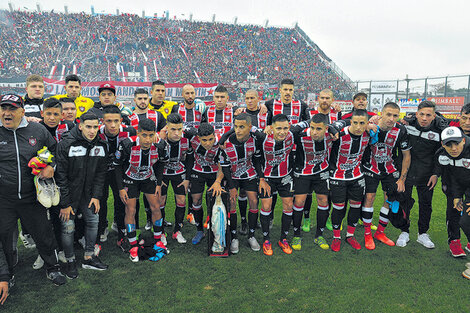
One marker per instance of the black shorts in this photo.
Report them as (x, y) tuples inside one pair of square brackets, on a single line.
[(246, 184), (342, 190), (306, 184), (135, 187), (200, 180), (372, 180), (175, 181), (284, 187)]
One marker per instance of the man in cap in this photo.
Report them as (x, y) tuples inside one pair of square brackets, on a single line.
[(20, 142)]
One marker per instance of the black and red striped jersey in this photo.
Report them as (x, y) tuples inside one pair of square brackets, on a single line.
[(381, 156), (221, 120), (155, 116), (333, 116), (136, 163), (205, 161), (346, 155), (296, 111), (176, 156), (114, 142), (311, 157), (240, 157), (191, 117), (277, 156)]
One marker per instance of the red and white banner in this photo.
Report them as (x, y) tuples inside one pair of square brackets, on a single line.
[(126, 89), (448, 104)]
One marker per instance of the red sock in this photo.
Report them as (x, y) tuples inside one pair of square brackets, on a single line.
[(350, 231), (380, 228), (337, 233), (367, 230)]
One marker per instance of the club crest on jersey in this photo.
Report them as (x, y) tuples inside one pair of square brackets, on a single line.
[(32, 141), (82, 109), (296, 111), (431, 136), (118, 155), (227, 118), (466, 164), (389, 140), (166, 111)]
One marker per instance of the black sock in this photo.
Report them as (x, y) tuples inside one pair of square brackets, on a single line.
[(265, 219), (322, 217), (307, 206), (162, 209), (148, 212), (233, 224), (252, 219), (179, 216), (190, 204), (286, 220), (273, 205), (297, 217), (198, 218), (242, 205)]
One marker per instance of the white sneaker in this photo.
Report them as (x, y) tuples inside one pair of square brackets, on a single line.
[(61, 257), (234, 246), (254, 245), (114, 227), (53, 191), (27, 240), (163, 239), (43, 193), (97, 249), (39, 263), (104, 235), (425, 241), (179, 237), (403, 239)]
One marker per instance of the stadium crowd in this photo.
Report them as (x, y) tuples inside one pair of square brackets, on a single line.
[(101, 47)]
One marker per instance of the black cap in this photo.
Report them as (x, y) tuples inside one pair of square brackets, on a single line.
[(13, 100)]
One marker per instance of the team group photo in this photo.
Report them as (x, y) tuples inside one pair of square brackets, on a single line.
[(160, 163)]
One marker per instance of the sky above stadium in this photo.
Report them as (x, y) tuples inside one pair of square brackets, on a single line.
[(367, 39)]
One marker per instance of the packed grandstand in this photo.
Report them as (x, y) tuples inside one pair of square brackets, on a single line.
[(131, 48)]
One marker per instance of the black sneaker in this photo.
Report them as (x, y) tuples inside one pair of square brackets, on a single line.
[(71, 270), (94, 264), (244, 228), (57, 277)]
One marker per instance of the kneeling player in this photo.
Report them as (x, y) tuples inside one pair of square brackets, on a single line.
[(311, 171), (379, 164), (139, 168), (454, 161)]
